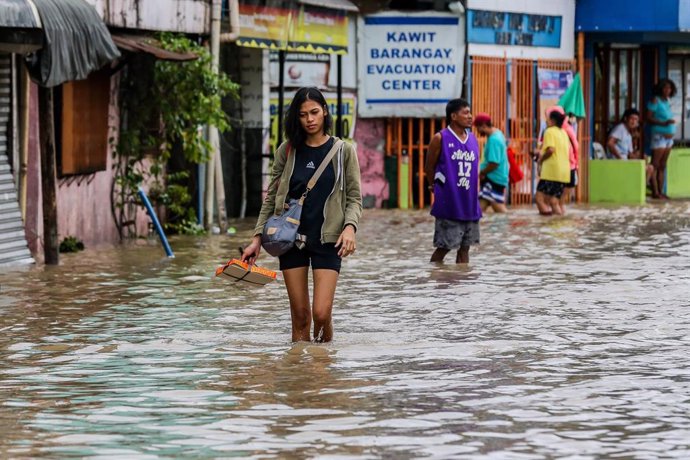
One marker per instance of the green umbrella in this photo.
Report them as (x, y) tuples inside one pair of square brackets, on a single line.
[(573, 100)]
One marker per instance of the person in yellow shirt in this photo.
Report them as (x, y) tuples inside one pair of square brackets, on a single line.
[(554, 166)]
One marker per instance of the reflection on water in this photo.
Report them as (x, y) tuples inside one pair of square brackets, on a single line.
[(565, 337)]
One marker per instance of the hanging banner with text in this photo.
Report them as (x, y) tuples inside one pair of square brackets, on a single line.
[(411, 64), (279, 25)]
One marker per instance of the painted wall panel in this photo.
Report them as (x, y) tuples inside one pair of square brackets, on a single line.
[(187, 16)]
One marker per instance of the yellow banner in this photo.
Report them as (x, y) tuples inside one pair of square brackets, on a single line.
[(302, 29), (332, 101)]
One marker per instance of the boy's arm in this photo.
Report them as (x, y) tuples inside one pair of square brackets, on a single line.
[(433, 154), (487, 169)]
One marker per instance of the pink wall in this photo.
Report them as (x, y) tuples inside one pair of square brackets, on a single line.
[(33, 225), (370, 135), (83, 202)]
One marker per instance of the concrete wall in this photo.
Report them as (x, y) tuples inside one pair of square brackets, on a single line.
[(370, 135), (617, 181), (83, 201), (188, 16)]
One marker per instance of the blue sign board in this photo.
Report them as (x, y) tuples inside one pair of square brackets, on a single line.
[(515, 29)]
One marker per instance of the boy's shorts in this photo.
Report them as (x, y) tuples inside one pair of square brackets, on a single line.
[(492, 192), (550, 188), (454, 234)]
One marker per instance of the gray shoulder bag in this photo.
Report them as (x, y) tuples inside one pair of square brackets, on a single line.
[(281, 231)]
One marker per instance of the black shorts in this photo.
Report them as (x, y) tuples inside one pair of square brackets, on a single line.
[(318, 255), (573, 179), (551, 188)]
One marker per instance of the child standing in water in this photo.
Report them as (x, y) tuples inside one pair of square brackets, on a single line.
[(452, 171)]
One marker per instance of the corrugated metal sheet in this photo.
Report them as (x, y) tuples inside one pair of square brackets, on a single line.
[(18, 14), (13, 247), (76, 42), (344, 5)]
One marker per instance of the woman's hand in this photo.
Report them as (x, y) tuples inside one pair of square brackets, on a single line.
[(251, 252), (346, 241)]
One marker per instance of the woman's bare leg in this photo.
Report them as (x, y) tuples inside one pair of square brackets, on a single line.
[(556, 206), (325, 281), (542, 205), (296, 282), (658, 179), (662, 180)]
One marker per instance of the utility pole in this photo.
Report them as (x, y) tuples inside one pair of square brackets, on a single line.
[(48, 180), (214, 172)]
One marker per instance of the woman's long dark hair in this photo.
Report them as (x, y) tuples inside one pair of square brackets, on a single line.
[(293, 128), (659, 87)]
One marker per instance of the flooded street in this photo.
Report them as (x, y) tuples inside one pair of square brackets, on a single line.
[(566, 337)]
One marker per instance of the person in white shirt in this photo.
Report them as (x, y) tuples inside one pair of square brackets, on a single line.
[(620, 142)]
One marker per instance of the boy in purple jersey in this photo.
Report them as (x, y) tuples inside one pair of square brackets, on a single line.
[(452, 171)]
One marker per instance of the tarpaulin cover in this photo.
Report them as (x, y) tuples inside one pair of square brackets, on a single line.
[(75, 42)]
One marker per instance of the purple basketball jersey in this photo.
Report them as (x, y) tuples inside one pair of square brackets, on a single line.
[(456, 180)]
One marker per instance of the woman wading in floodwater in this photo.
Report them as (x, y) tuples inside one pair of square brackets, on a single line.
[(329, 218)]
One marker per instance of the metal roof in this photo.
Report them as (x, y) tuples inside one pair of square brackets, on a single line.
[(150, 46), (344, 5), (76, 42), (19, 14)]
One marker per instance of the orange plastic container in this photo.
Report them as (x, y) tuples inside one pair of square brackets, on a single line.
[(242, 271)]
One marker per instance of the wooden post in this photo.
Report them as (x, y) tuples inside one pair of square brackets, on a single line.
[(581, 54), (48, 181)]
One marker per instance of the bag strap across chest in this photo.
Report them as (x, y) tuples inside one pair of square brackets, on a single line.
[(324, 164)]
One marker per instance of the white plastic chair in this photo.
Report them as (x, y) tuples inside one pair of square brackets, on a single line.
[(598, 150)]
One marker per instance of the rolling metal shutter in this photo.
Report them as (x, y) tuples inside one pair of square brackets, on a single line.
[(13, 247)]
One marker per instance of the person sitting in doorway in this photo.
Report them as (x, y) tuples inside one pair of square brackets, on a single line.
[(620, 141), (493, 171)]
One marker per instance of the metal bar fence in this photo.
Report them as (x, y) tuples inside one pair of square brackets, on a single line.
[(508, 91)]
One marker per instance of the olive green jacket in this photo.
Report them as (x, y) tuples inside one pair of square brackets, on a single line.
[(344, 204)]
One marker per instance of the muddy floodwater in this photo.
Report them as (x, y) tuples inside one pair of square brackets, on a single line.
[(564, 338)]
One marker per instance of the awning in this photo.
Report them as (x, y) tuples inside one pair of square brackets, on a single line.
[(344, 5), (75, 42), (19, 14), (20, 27), (137, 44)]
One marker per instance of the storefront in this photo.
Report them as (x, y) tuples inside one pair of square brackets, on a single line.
[(282, 46), (630, 51), (20, 32)]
